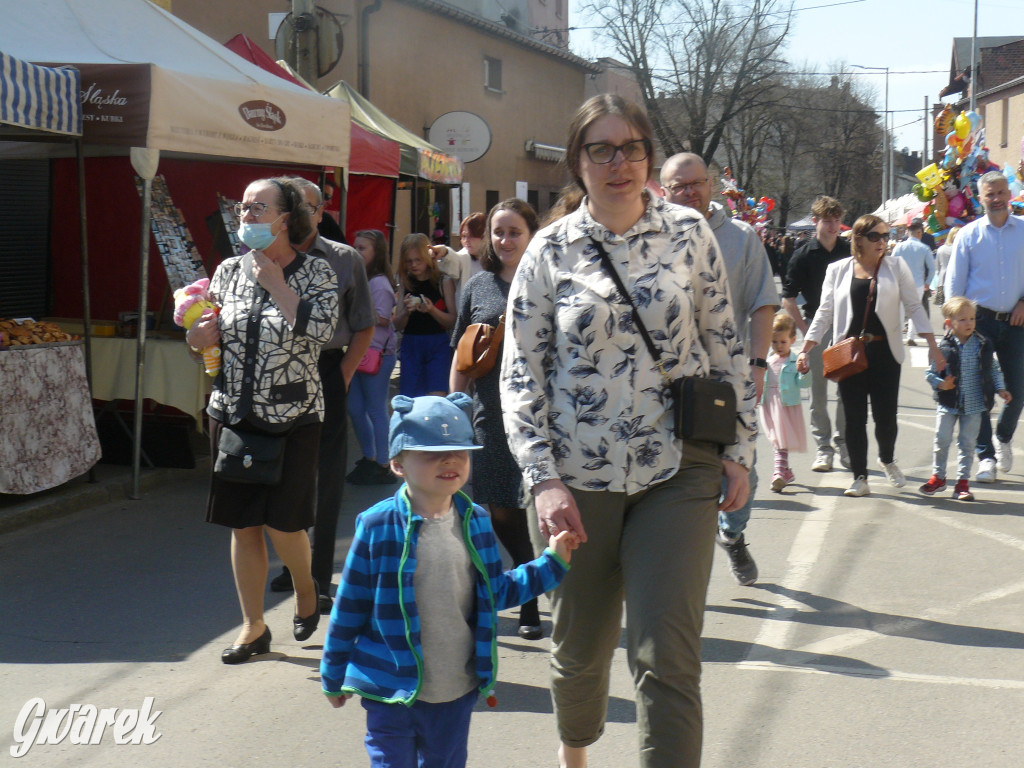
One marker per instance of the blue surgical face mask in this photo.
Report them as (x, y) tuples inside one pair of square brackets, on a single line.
[(257, 236)]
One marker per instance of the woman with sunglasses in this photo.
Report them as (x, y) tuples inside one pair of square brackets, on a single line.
[(589, 420), (845, 295), (277, 308)]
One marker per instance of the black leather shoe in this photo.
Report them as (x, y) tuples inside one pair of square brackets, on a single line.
[(326, 604), (531, 632), (240, 652), (303, 628), (282, 582)]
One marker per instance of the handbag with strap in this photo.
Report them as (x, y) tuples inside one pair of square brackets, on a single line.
[(703, 409), (370, 364), (477, 351), (244, 456), (850, 356)]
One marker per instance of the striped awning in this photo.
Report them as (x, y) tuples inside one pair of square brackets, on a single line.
[(40, 98)]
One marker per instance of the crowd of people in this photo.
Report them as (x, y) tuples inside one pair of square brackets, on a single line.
[(571, 438)]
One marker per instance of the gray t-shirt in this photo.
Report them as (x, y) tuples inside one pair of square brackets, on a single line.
[(445, 598)]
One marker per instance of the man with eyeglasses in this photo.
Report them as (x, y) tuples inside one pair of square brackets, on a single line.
[(685, 181), (805, 276), (338, 361), (987, 267)]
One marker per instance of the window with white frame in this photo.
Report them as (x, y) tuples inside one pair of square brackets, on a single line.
[(492, 74)]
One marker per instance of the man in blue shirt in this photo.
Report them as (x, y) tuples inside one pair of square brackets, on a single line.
[(921, 261), (987, 266)]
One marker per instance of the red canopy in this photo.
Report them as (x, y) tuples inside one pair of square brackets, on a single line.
[(371, 154)]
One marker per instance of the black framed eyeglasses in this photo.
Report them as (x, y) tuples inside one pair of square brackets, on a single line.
[(874, 237), (678, 187), (603, 153), (256, 209)]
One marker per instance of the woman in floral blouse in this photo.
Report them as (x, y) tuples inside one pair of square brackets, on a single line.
[(277, 308), (589, 420)]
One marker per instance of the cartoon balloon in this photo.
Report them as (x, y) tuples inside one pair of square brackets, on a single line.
[(962, 125), (975, 119), (956, 206)]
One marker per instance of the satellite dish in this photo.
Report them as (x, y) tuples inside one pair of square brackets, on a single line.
[(328, 39)]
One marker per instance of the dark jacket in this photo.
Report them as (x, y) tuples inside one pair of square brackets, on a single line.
[(950, 398)]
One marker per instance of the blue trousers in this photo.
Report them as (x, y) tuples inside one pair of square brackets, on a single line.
[(421, 736), (944, 424), (734, 523), (368, 408), (426, 363), (1008, 341)]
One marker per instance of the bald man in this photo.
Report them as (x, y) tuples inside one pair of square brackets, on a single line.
[(685, 180)]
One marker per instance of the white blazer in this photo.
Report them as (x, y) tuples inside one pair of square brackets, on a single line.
[(895, 287)]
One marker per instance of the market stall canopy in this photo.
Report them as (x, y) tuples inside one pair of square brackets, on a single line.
[(419, 157), (150, 80), (803, 225), (901, 210), (39, 98), (370, 154)]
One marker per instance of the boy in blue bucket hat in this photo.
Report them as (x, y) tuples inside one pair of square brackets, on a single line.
[(413, 629)]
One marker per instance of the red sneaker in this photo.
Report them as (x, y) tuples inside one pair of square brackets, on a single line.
[(934, 485), (962, 492)]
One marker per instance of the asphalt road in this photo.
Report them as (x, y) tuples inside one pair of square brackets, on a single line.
[(884, 631)]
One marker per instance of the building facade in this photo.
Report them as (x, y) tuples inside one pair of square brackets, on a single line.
[(418, 60)]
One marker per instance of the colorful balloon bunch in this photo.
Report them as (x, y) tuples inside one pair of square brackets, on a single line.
[(753, 211), (949, 185)]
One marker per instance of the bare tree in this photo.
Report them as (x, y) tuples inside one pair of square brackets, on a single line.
[(700, 63)]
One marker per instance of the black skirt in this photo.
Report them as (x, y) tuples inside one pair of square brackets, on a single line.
[(289, 506)]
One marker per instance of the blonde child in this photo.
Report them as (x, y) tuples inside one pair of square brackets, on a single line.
[(781, 411), (425, 314), (965, 391), (414, 625)]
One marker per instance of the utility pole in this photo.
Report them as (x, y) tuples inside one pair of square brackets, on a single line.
[(304, 20)]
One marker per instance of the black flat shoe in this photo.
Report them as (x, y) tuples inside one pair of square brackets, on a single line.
[(531, 632), (303, 628), (240, 652), (326, 604), (282, 582)]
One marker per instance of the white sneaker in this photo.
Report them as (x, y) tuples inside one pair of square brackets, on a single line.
[(844, 456), (987, 470), (893, 473), (822, 462), (1004, 455), (859, 488)]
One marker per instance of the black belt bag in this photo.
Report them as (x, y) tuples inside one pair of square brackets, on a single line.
[(249, 457), (703, 410)]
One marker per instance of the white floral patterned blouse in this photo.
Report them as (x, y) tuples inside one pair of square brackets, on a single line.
[(582, 398)]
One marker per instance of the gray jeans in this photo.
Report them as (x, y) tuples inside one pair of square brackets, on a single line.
[(821, 426)]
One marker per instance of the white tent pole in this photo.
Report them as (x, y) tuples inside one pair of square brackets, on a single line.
[(145, 162)]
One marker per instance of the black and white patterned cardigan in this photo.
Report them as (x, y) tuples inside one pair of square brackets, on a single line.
[(269, 371)]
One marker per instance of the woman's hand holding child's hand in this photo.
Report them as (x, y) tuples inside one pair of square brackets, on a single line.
[(1005, 395), (564, 542)]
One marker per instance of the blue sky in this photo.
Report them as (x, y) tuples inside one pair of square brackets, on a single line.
[(908, 36)]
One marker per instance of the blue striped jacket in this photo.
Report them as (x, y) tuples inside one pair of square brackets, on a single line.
[(373, 639)]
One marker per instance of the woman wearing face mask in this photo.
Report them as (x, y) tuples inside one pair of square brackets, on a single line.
[(277, 308), (497, 479)]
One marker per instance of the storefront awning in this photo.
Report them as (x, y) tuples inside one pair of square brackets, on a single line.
[(419, 157), (40, 98)]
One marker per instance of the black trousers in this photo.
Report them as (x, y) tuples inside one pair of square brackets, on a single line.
[(330, 484), (881, 384)]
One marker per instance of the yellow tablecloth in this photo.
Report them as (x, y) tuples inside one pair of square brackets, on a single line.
[(169, 375), (47, 429)]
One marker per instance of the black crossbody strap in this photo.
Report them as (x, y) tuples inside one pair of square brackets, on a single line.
[(606, 262)]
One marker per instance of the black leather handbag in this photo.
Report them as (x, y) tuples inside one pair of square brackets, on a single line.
[(249, 457), (703, 410)]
